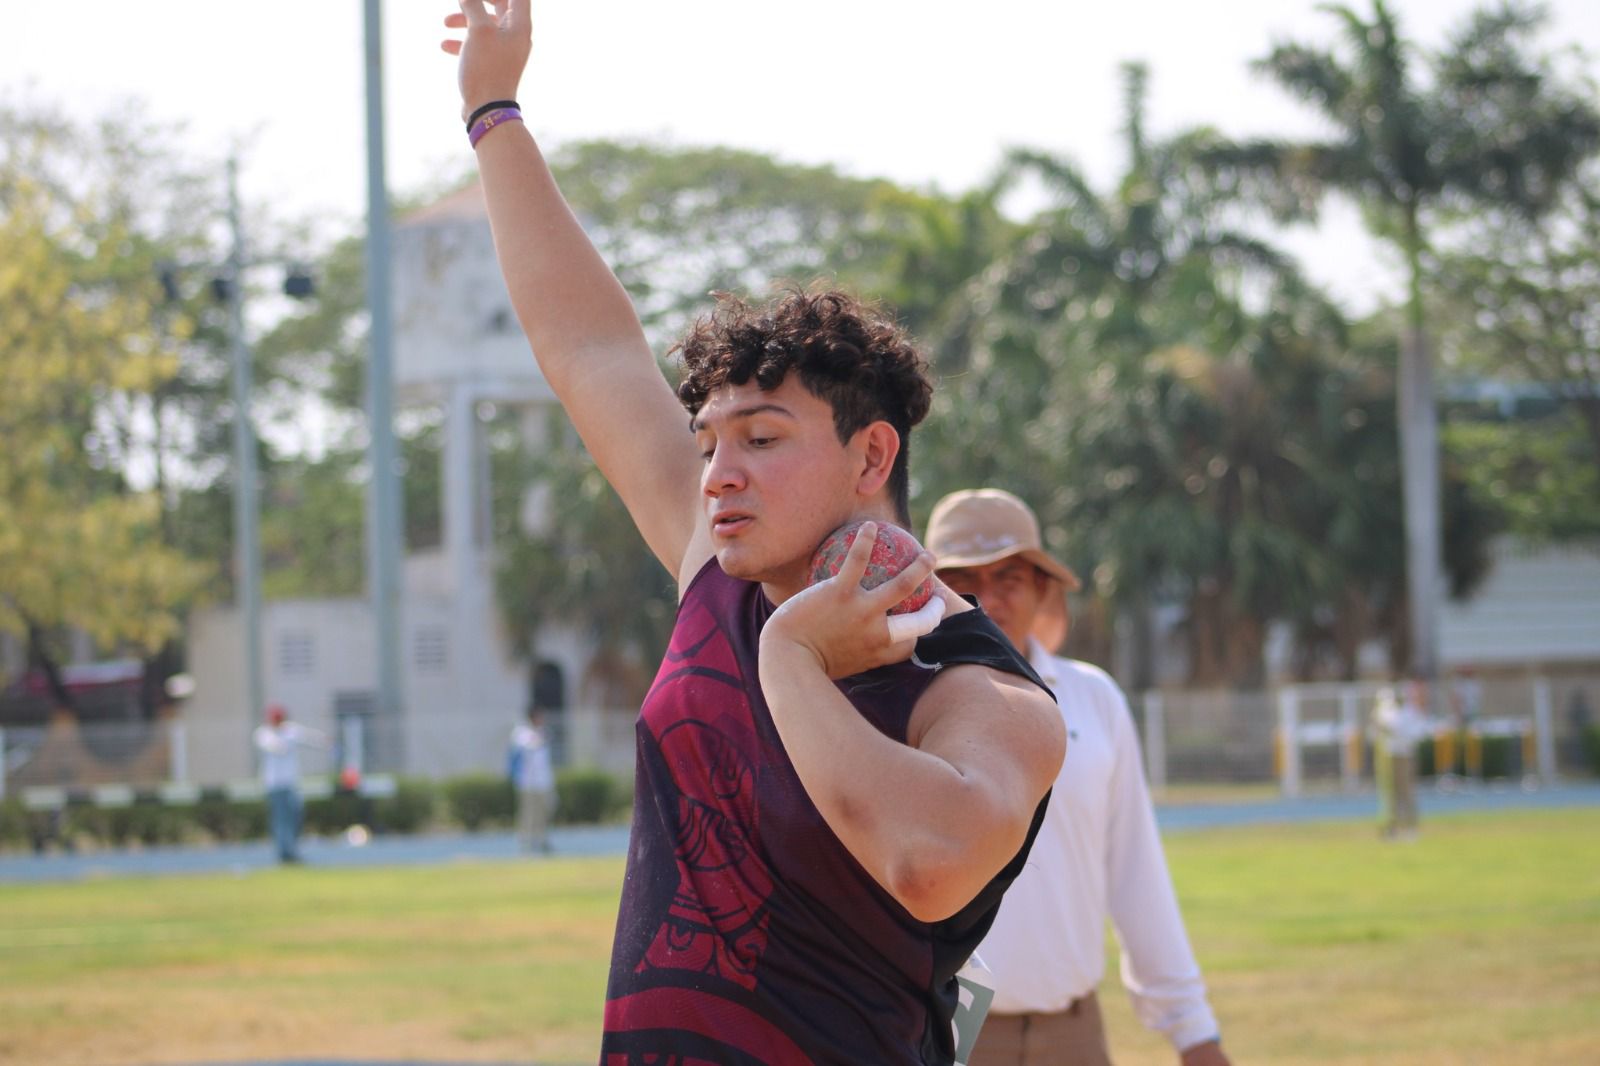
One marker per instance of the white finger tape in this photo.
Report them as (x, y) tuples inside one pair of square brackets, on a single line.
[(918, 623)]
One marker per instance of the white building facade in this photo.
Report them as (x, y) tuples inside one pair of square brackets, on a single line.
[(458, 349)]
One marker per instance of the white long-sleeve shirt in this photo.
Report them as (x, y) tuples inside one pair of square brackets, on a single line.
[(534, 773), (1098, 854), (280, 758)]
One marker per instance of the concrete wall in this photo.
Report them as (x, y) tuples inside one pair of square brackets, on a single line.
[(462, 692)]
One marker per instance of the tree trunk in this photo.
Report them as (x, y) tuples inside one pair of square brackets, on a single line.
[(1140, 670), (1589, 412), (1206, 666), (1351, 627), (1419, 469), (39, 655), (1225, 644)]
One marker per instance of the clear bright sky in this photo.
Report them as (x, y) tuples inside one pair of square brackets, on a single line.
[(926, 93)]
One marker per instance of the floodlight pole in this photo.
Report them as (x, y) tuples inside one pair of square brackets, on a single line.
[(383, 518), (246, 503)]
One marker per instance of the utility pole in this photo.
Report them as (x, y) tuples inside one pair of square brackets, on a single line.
[(246, 503), (383, 517)]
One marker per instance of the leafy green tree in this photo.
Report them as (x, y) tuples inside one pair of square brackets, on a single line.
[(318, 348), (312, 517), (1538, 476), (80, 346), (123, 184), (1492, 124), (581, 565), (1350, 506), (122, 178), (1525, 301), (676, 224)]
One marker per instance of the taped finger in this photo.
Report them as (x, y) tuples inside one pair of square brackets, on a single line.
[(919, 623)]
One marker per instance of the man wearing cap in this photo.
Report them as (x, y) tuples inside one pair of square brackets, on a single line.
[(279, 741), (1098, 854)]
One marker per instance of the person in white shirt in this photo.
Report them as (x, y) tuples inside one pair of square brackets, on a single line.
[(1098, 853), (279, 741), (534, 780), (1399, 724)]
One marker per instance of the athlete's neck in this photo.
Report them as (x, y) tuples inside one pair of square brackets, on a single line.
[(797, 575)]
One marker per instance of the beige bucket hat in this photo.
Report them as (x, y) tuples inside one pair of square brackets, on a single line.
[(976, 527)]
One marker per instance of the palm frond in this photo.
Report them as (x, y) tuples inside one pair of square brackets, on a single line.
[(1314, 75), (1248, 253), (1062, 177)]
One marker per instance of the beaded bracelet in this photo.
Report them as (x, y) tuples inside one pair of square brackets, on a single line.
[(489, 120)]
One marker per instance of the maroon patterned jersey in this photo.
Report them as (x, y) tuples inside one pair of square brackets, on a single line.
[(748, 935)]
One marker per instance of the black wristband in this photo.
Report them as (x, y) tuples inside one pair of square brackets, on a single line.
[(486, 108)]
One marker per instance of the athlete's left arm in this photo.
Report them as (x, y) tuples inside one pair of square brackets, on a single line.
[(1004, 738), (934, 819)]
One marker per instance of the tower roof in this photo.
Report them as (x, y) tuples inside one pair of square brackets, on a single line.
[(466, 202)]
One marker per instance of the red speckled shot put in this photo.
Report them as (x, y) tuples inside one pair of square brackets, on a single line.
[(892, 552)]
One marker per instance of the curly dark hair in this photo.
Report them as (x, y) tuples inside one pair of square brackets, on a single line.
[(846, 351)]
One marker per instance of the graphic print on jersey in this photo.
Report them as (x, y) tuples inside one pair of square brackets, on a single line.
[(717, 921)]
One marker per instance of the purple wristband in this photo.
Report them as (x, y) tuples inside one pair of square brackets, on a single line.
[(489, 120)]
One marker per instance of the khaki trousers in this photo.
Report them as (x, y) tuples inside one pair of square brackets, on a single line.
[(1073, 1037), (533, 820), (1405, 792)]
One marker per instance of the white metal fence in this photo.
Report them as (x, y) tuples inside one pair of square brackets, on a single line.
[(1320, 735)]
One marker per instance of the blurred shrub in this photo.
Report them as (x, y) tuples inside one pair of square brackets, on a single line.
[(587, 795), (621, 798), (1502, 757), (411, 807), (227, 819), (1591, 748), (477, 801), (409, 810), (1425, 758), (583, 795), (333, 814), (148, 824), (13, 825)]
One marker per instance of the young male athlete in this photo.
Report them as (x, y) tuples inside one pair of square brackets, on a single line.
[(829, 802)]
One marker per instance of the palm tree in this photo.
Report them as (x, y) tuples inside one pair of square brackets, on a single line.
[(1091, 287), (1493, 126), (1165, 220)]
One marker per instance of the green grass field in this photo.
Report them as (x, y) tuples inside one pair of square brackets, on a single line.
[(1478, 943)]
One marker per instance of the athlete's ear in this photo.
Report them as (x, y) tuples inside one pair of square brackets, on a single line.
[(880, 446)]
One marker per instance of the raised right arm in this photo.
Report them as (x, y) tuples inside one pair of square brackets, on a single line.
[(576, 314)]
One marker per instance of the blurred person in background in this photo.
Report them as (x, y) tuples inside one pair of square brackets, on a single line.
[(279, 741), (534, 780), (1098, 853), (1399, 724)]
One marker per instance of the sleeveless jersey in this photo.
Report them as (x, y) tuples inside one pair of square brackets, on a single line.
[(748, 935)]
